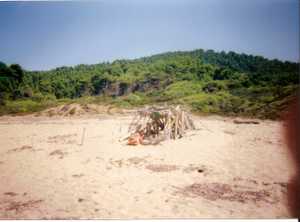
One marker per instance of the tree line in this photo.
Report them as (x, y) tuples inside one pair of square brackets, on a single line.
[(208, 81)]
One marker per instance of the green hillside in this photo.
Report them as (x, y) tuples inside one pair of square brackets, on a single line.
[(206, 81)]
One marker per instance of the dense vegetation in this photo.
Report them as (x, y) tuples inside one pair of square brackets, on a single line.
[(207, 81)]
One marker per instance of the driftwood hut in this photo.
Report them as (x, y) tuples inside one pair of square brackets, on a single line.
[(152, 125)]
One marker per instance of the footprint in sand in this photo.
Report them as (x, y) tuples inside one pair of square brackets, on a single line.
[(283, 185), (21, 206), (12, 194), (229, 132), (161, 167), (77, 175), (63, 139), (201, 169), (265, 184), (133, 161), (19, 149), (58, 153), (80, 200)]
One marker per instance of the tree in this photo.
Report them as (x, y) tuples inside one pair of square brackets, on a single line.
[(17, 72)]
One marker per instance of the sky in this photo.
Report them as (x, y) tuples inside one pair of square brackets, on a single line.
[(45, 35)]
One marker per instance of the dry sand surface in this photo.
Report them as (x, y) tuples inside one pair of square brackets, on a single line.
[(220, 170)]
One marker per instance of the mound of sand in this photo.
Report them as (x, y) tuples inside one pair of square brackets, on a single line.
[(79, 110)]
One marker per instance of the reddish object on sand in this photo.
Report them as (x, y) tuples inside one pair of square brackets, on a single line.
[(135, 139)]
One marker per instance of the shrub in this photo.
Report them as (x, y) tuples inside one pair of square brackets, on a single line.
[(214, 86), (119, 102), (24, 106), (203, 103), (182, 89), (136, 99), (37, 97)]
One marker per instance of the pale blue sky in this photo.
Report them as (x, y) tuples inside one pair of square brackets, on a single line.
[(44, 35)]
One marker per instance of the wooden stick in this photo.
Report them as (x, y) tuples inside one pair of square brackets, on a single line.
[(176, 126), (188, 126), (169, 125), (82, 137), (182, 122)]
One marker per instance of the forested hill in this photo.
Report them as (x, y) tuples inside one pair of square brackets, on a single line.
[(207, 81), (263, 69)]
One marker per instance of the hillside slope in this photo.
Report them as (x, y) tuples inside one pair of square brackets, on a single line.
[(207, 81)]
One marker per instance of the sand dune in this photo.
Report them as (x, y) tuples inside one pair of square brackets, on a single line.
[(222, 170)]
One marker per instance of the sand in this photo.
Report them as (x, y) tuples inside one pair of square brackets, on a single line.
[(221, 170)]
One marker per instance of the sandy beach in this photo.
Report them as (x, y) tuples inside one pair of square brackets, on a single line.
[(64, 167)]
